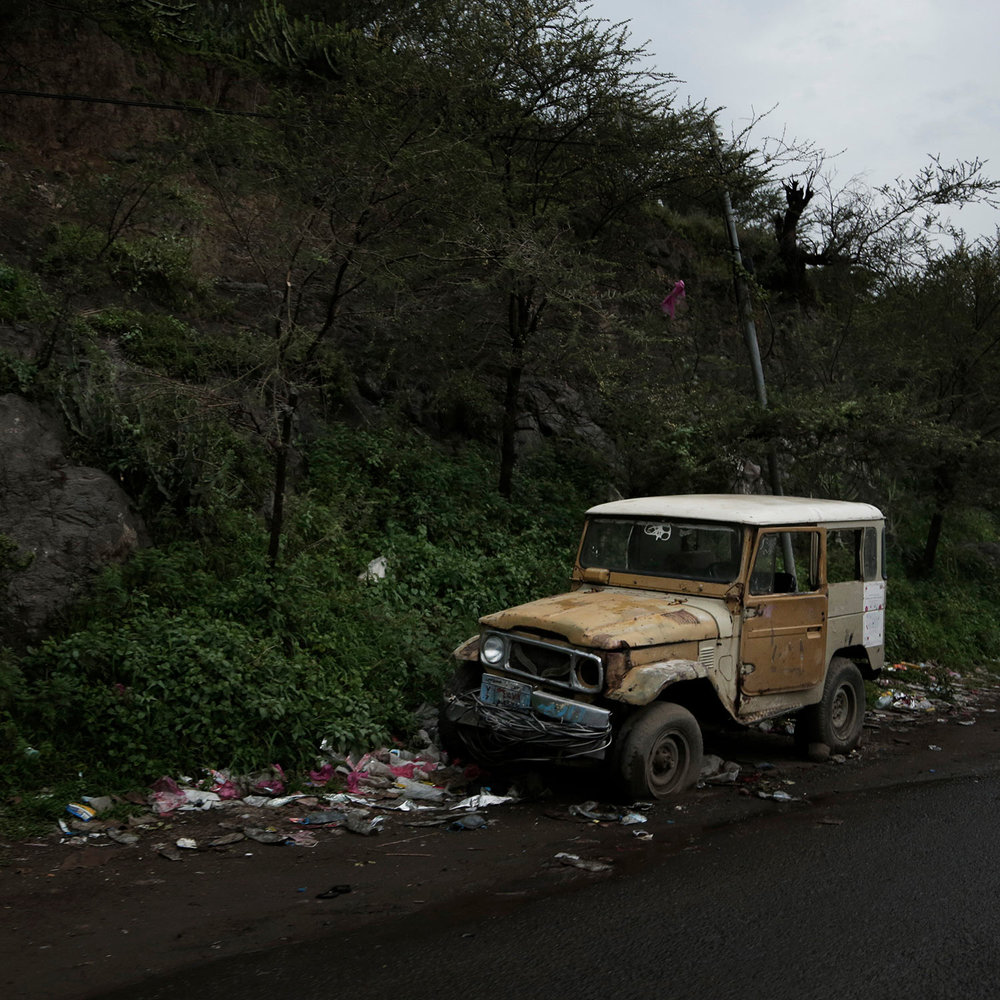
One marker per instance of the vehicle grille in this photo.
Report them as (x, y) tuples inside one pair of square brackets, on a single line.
[(541, 661), (559, 666)]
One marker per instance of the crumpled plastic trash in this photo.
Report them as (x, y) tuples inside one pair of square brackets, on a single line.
[(606, 814), (269, 782), (322, 775), (375, 570), (473, 821), (167, 796), (483, 800), (268, 802), (903, 700), (360, 822), (223, 785), (716, 771), (196, 799), (419, 790)]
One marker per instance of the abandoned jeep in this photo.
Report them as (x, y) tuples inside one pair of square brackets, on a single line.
[(682, 608)]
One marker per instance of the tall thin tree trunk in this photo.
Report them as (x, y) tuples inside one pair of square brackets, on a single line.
[(508, 448), (280, 479)]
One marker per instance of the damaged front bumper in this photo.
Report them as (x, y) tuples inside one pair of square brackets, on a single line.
[(507, 721)]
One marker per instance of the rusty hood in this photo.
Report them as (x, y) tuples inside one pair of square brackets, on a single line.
[(610, 619)]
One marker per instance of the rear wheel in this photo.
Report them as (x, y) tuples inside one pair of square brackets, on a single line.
[(660, 751), (837, 720)]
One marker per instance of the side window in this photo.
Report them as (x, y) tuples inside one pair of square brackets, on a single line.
[(843, 554), (786, 563), (871, 553)]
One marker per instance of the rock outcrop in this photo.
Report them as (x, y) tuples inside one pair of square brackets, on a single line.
[(59, 522)]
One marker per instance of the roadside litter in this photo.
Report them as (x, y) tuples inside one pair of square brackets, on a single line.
[(606, 814), (716, 771)]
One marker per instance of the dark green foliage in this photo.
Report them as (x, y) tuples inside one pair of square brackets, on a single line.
[(197, 655), (21, 297)]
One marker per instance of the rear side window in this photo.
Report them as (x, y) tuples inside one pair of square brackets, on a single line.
[(851, 554)]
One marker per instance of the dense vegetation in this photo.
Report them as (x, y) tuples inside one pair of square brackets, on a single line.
[(390, 286)]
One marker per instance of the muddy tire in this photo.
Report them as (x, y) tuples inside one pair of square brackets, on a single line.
[(659, 752), (837, 720)]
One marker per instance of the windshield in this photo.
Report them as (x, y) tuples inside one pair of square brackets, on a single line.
[(690, 550)]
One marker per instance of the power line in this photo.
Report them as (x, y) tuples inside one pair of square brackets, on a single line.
[(135, 104)]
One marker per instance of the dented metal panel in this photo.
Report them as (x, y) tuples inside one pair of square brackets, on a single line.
[(641, 685), (612, 618)]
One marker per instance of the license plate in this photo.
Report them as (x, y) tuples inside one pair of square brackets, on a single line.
[(504, 692)]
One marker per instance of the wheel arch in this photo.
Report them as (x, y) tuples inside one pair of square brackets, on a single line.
[(857, 655)]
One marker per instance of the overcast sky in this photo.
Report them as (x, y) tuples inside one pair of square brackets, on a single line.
[(885, 81)]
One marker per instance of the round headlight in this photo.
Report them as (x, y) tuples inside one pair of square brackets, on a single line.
[(492, 650)]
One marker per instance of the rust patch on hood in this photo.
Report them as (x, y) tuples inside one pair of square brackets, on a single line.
[(683, 615), (609, 619)]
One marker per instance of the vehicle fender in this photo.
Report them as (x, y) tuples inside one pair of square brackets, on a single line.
[(469, 650), (643, 684)]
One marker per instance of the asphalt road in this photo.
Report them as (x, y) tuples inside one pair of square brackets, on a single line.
[(884, 893)]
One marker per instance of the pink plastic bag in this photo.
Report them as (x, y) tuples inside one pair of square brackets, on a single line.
[(271, 782), (167, 796)]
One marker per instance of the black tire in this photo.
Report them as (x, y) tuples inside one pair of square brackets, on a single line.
[(467, 677), (837, 720), (659, 751)]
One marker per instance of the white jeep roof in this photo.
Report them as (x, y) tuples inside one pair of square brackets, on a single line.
[(739, 508)]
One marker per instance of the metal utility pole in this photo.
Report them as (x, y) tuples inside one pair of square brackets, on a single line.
[(753, 349), (746, 320)]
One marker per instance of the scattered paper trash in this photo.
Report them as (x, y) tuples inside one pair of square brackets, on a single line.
[(187, 844)]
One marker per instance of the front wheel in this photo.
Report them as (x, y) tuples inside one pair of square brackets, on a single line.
[(837, 720), (660, 752)]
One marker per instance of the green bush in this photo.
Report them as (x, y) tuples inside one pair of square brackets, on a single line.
[(200, 654), (21, 297)]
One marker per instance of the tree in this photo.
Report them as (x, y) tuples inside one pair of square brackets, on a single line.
[(885, 230), (942, 355), (570, 140)]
